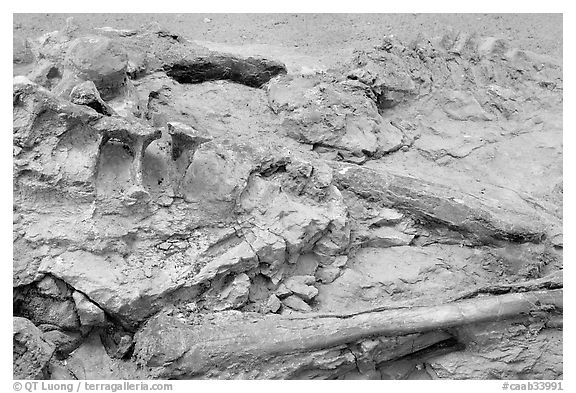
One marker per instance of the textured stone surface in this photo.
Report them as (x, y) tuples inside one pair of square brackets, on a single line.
[(31, 352), (88, 313), (296, 303), (186, 213)]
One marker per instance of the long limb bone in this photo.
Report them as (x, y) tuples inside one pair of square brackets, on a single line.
[(208, 345)]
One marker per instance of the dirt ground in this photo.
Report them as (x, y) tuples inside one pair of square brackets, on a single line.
[(329, 34)]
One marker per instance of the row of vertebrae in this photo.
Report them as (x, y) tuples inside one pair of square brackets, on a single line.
[(93, 72), (397, 72), (97, 71), (37, 111)]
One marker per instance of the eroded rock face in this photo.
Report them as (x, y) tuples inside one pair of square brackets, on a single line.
[(182, 213), (264, 340), (31, 352), (329, 113)]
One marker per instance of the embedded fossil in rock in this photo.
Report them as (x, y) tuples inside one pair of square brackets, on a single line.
[(185, 213), (208, 348), (136, 136), (87, 94), (184, 138), (132, 133)]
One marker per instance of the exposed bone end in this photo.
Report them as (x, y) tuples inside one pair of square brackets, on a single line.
[(185, 138), (101, 60), (87, 94), (127, 131), (136, 194)]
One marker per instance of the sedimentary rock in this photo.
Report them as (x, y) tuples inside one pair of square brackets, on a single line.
[(31, 352), (88, 313), (183, 213), (258, 339), (332, 114)]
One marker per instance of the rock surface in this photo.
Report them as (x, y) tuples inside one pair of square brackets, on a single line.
[(186, 213), (31, 352)]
